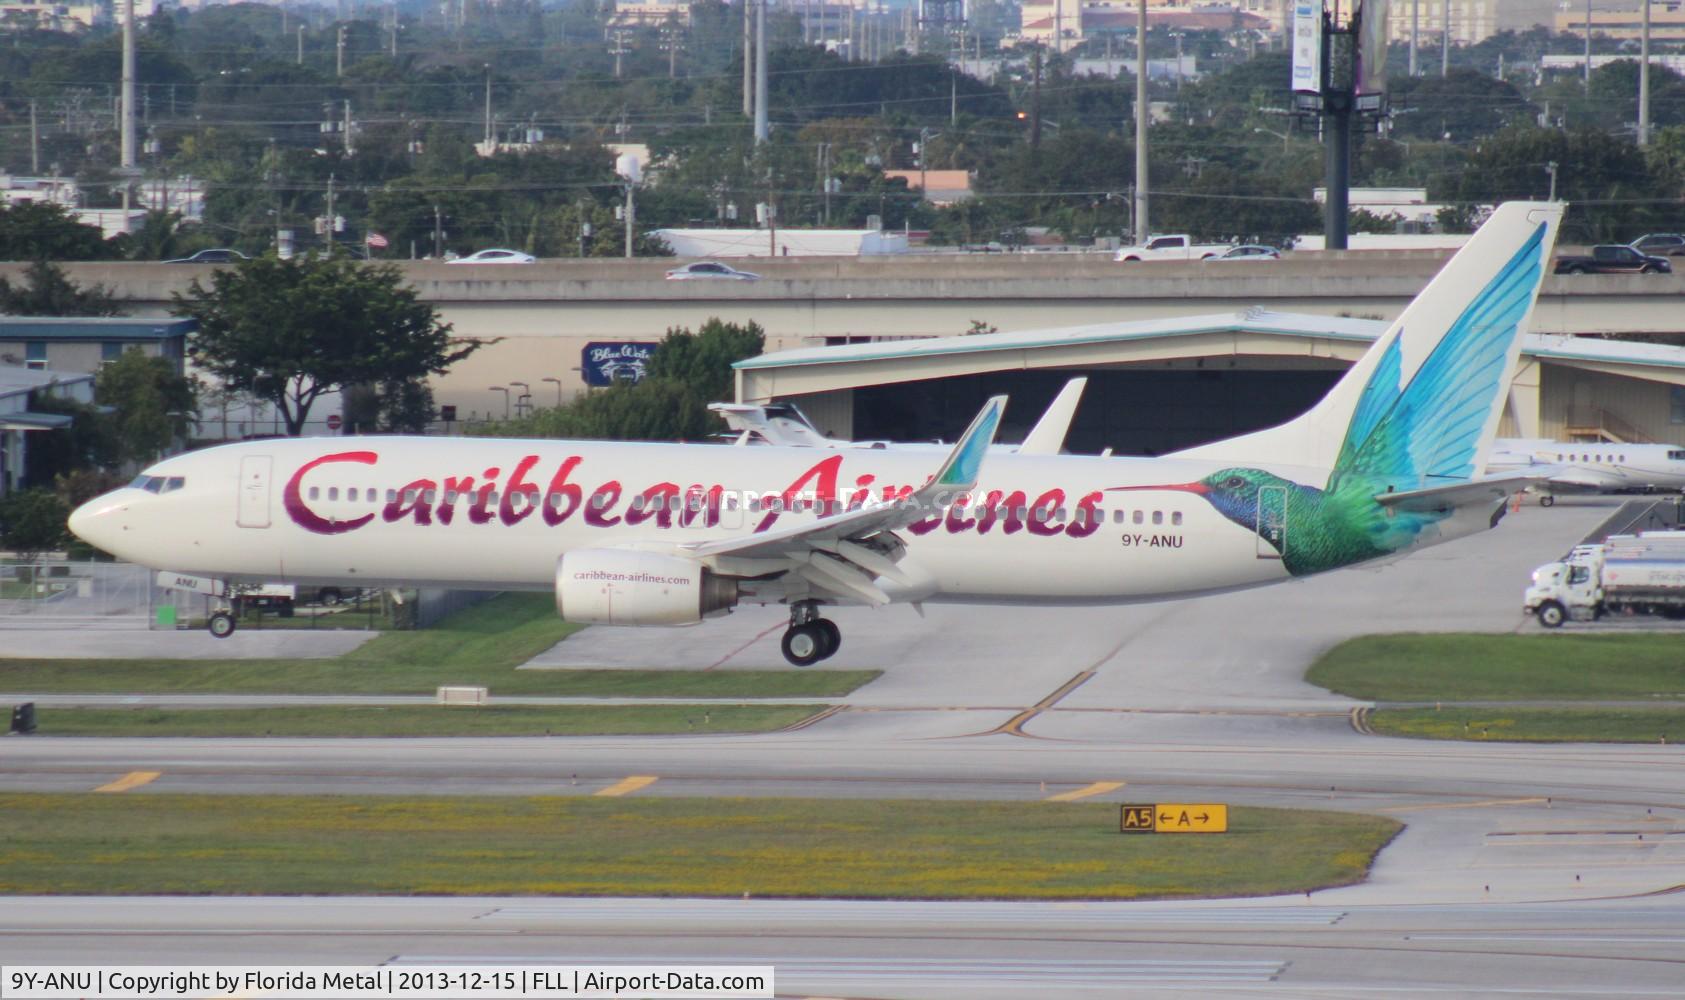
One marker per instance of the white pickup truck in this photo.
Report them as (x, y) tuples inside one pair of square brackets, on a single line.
[(1178, 247)]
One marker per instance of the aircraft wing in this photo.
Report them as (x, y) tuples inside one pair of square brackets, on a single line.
[(1483, 492), (844, 553), (1576, 477)]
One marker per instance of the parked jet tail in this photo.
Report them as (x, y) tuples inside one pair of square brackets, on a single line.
[(1421, 407)]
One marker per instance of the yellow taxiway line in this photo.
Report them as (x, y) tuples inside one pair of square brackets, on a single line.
[(1098, 788), (628, 785), (134, 779)]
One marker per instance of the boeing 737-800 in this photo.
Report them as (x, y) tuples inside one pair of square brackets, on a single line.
[(669, 534)]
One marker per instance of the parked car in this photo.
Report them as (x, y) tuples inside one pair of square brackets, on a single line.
[(703, 269), (1617, 258), (496, 257), (220, 256), (1660, 245), (1248, 251)]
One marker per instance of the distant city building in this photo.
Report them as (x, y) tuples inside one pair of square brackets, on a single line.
[(66, 17), (651, 12), (940, 187), (1667, 21), (1472, 21), (16, 190), (1063, 24)]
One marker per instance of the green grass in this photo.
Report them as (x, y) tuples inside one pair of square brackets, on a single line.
[(422, 720), (1458, 667), (480, 646), (144, 843), (1534, 725)]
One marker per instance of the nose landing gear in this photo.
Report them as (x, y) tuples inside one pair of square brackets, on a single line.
[(809, 638)]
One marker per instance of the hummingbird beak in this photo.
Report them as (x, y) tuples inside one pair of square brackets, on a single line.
[(1193, 487)]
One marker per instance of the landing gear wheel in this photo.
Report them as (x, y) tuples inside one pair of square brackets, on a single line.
[(221, 625), (1547, 501), (329, 597), (833, 636), (1552, 614), (804, 645)]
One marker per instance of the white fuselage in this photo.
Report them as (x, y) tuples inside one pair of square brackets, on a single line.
[(497, 513), (1596, 466)]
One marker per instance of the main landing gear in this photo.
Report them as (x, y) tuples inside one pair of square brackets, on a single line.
[(809, 638)]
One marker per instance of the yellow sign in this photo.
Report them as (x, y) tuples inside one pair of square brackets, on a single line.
[(1175, 817)]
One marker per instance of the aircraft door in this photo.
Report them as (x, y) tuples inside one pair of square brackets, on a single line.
[(254, 491), (1272, 522)]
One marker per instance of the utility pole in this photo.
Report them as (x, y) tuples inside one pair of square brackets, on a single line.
[(760, 74), (1415, 29), (128, 131), (748, 54), (300, 60), (393, 38), (1141, 227), (438, 233), (489, 146), (1644, 77), (1445, 40), (1035, 99), (34, 142), (631, 213), (339, 52), (349, 148), (1551, 168), (1588, 47)]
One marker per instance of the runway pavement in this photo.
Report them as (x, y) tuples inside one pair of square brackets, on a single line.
[(1525, 870)]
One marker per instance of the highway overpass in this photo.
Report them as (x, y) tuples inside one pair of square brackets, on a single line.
[(543, 314)]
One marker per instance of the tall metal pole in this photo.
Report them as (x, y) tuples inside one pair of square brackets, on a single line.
[(1644, 78), (128, 132), (748, 54), (1141, 227), (1338, 161), (488, 108), (760, 73), (1415, 29), (1588, 46), (1445, 39)]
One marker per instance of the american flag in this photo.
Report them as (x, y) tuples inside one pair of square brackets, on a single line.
[(377, 241)]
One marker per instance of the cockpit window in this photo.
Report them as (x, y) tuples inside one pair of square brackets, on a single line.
[(158, 484), (174, 483), (1676, 456)]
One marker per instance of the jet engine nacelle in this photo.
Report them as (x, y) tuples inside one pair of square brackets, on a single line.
[(627, 587)]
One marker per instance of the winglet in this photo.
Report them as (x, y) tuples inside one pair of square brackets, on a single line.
[(964, 463)]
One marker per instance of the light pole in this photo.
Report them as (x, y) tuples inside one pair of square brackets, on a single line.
[(552, 378), (505, 390), (1550, 168), (524, 400), (1283, 136)]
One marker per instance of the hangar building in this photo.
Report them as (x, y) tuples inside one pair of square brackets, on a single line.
[(1161, 385)]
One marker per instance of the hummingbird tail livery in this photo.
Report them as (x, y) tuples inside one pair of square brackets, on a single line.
[(669, 534)]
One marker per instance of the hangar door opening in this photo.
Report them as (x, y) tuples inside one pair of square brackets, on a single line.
[(1133, 411)]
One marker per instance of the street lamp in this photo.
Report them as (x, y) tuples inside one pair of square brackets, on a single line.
[(505, 391), (1270, 131), (524, 399), (551, 378)]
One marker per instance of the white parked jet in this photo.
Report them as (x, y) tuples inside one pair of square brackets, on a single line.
[(668, 534), (1590, 467), (785, 424)]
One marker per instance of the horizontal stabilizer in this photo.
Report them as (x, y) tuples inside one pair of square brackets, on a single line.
[(1463, 494)]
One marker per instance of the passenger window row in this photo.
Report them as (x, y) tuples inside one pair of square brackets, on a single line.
[(774, 504)]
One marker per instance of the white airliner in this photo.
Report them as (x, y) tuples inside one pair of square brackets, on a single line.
[(785, 424), (669, 534), (1590, 467)]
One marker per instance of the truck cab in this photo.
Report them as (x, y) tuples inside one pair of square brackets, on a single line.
[(1566, 590)]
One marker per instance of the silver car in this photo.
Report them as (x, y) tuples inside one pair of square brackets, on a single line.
[(709, 269)]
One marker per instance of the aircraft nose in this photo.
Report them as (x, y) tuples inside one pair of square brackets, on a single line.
[(96, 522)]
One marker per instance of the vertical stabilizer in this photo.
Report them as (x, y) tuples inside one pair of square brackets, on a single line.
[(1422, 405)]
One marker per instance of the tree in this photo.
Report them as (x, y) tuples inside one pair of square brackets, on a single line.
[(32, 522), (150, 404), (686, 373), (288, 331), (39, 230), (702, 361), (50, 293)]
